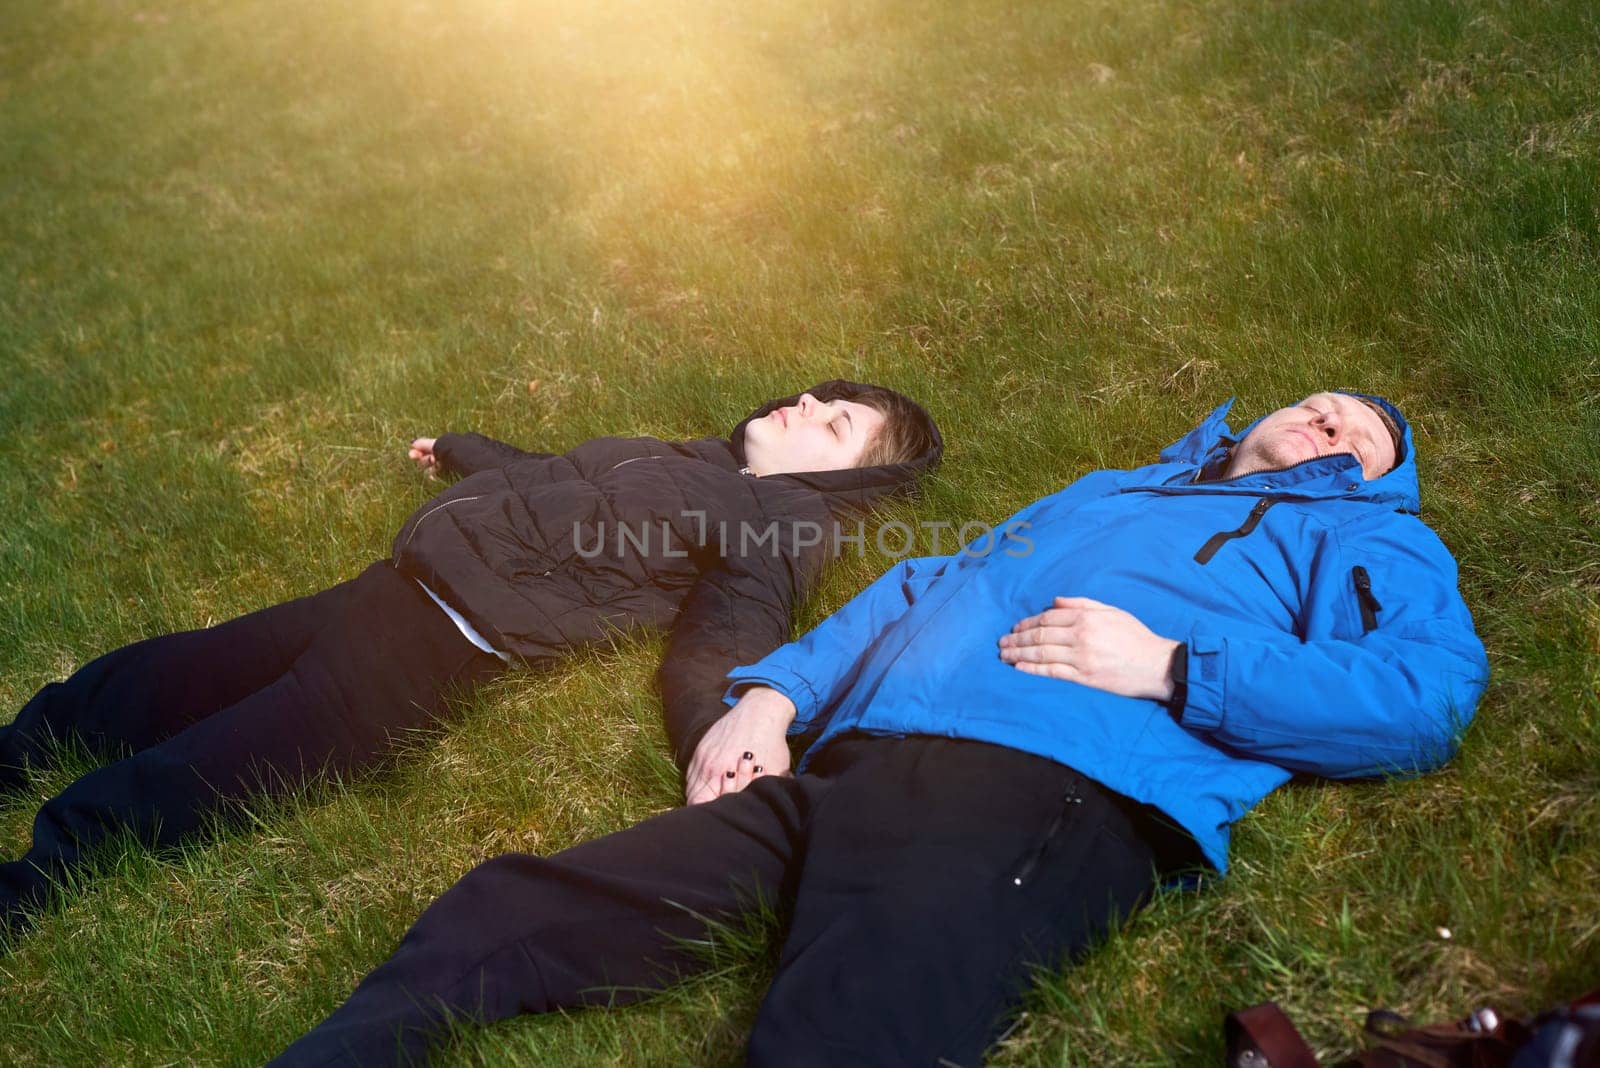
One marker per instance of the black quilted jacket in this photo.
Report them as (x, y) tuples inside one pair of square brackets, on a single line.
[(542, 553)]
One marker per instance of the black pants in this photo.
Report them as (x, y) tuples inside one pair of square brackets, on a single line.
[(919, 878), (255, 705)]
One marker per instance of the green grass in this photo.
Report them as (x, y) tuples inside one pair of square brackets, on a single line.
[(248, 249)]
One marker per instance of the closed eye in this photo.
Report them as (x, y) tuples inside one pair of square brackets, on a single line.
[(1362, 443)]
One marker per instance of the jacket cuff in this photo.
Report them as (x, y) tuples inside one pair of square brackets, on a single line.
[(785, 682), (443, 448), (1205, 676), (1178, 672)]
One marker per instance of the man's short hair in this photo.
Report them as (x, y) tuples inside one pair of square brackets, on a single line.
[(904, 435), (1391, 426)]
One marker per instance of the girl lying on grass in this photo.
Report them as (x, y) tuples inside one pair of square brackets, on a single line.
[(526, 557)]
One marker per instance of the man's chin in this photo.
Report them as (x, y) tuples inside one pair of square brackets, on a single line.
[(1286, 452)]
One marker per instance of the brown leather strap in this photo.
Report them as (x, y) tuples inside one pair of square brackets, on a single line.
[(1265, 1028), (1447, 1045), (1410, 1052)]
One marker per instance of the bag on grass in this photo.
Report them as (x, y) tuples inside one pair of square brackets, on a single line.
[(1567, 1037)]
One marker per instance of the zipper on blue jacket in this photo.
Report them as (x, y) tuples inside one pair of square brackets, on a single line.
[(1369, 604), (1217, 540), (1069, 799)]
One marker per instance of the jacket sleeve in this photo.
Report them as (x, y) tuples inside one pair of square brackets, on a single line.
[(736, 613), (1392, 701), (815, 671), (467, 454)]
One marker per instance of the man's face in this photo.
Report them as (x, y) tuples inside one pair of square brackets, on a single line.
[(1321, 425), (810, 435)]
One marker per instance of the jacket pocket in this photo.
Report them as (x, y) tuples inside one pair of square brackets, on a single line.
[(1370, 607)]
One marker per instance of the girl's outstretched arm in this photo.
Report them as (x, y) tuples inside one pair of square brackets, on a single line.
[(466, 454)]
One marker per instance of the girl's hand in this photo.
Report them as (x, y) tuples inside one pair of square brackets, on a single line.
[(422, 452), (745, 744)]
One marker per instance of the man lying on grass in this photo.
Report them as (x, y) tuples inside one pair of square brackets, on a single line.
[(525, 558), (1238, 612)]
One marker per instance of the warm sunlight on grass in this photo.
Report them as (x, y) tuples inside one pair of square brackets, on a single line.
[(250, 248)]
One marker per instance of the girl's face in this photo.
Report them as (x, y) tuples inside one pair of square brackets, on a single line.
[(810, 435)]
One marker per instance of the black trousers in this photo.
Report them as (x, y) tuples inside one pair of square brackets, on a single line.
[(919, 878), (255, 705)]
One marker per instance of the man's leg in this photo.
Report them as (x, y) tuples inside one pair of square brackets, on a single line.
[(382, 666), (935, 875), (601, 923), (147, 691)]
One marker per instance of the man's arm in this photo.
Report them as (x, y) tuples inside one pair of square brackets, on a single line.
[(1391, 701), (814, 671), (725, 748)]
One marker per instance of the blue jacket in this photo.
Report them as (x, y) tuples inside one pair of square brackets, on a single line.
[(1324, 628)]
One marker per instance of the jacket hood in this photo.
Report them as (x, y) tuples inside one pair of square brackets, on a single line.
[(853, 488), (1208, 445)]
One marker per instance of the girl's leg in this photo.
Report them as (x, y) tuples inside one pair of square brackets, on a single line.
[(143, 693), (382, 665), (601, 923)]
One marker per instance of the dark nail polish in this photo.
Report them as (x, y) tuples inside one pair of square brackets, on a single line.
[(749, 756)]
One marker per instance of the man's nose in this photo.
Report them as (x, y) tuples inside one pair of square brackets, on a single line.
[(1331, 425)]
